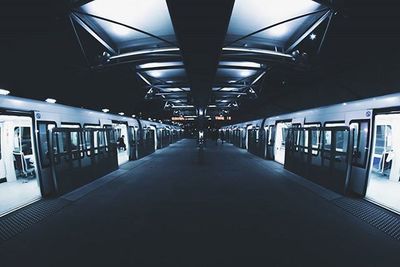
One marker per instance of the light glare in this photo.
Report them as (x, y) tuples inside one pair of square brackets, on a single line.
[(51, 100), (4, 92)]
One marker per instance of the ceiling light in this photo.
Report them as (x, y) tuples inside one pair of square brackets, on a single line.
[(121, 113), (105, 110), (153, 65), (256, 51), (313, 36), (51, 100), (144, 52), (4, 92), (244, 64), (155, 73)]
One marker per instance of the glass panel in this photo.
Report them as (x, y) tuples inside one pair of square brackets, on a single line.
[(363, 140), (315, 135), (327, 139), (383, 138), (22, 140), (360, 146), (44, 129), (341, 141), (251, 15), (74, 141), (136, 13)]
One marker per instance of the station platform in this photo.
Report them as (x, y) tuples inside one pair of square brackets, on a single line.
[(174, 208)]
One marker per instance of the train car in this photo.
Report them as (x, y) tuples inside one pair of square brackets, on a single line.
[(350, 147), (49, 149)]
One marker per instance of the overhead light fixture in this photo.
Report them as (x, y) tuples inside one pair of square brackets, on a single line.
[(243, 64), (133, 116), (51, 100), (121, 113), (4, 92), (154, 65), (144, 52), (256, 51), (313, 36), (105, 110)]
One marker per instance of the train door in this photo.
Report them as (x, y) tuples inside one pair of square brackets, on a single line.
[(280, 139), (243, 138), (249, 130), (134, 142), (270, 147), (384, 177), (19, 183), (121, 132), (152, 138), (160, 143)]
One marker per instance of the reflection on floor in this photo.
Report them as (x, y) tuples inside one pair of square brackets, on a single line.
[(384, 191), (18, 193), (122, 157)]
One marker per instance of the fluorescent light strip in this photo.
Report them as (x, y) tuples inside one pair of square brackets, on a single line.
[(144, 52), (257, 51), (51, 100), (4, 92)]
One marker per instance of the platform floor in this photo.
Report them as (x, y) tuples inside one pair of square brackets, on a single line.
[(18, 193), (231, 209)]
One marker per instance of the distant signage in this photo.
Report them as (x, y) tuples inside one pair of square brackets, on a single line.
[(223, 118), (177, 118), (191, 118)]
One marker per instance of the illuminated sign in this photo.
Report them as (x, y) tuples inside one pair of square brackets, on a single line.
[(223, 118), (177, 118)]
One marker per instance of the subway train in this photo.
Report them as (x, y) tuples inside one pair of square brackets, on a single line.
[(50, 149), (352, 148)]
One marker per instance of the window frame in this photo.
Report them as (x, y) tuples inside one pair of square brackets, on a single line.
[(47, 123), (311, 125), (368, 147)]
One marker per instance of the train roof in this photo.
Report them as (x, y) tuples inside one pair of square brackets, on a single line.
[(13, 103), (379, 102)]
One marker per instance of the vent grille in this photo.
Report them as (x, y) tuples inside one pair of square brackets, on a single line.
[(378, 217), (16, 222)]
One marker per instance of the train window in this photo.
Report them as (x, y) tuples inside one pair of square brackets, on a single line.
[(60, 141), (257, 132), (327, 139), (76, 147), (383, 138), (87, 142), (111, 135), (22, 140), (315, 137), (341, 141), (133, 134), (44, 145), (101, 139), (271, 133), (361, 140)]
